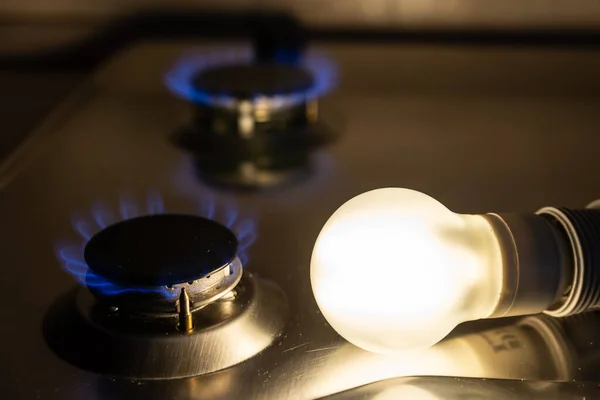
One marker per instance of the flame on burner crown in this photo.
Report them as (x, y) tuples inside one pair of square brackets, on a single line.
[(179, 79), (73, 261)]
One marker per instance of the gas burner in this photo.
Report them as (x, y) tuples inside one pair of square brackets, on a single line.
[(255, 123), (158, 256), (160, 286), (223, 80), (267, 99), (236, 95)]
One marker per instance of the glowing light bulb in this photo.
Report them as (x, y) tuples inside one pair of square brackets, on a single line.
[(393, 269)]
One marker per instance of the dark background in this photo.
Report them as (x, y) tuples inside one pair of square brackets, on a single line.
[(47, 48)]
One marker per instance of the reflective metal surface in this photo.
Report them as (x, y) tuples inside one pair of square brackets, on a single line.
[(537, 348), (479, 129), (226, 332), (448, 388)]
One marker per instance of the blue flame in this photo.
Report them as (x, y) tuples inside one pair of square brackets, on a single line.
[(155, 204), (128, 208), (72, 258), (179, 79), (103, 216), (287, 56)]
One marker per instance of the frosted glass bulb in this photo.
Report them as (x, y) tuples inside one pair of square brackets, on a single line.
[(393, 269)]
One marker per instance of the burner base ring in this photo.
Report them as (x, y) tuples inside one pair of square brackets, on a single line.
[(156, 349)]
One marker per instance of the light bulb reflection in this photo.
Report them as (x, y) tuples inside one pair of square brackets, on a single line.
[(531, 348), (406, 392)]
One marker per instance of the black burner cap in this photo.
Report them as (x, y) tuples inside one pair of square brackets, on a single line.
[(158, 250), (248, 80)]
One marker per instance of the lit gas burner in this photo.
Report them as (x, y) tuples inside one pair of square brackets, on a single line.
[(159, 256), (158, 286), (264, 97), (225, 80), (255, 121)]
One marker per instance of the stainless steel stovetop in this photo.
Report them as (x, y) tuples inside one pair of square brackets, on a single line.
[(480, 129)]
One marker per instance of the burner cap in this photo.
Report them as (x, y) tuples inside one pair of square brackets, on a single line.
[(159, 250), (250, 80)]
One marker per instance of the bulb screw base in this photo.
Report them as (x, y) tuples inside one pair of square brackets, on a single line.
[(582, 228), (535, 257)]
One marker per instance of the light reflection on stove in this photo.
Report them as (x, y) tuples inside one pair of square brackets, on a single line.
[(537, 348), (451, 388), (405, 392), (506, 352), (71, 255)]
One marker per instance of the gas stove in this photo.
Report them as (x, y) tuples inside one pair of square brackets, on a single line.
[(188, 302), (157, 228), (256, 119)]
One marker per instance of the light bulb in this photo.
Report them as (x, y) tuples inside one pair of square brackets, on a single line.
[(393, 269)]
